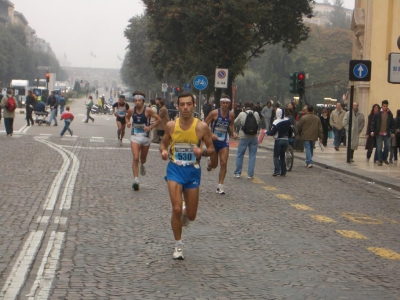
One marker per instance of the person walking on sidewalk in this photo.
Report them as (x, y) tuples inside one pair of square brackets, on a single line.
[(357, 127), (281, 130), (10, 104), (89, 106), (120, 109), (267, 114), (247, 140), (140, 134), (221, 121), (183, 138), (382, 127), (371, 143), (310, 130), (326, 126), (53, 103), (68, 118), (336, 121), (29, 105)]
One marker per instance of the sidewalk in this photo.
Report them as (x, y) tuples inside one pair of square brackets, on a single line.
[(386, 175)]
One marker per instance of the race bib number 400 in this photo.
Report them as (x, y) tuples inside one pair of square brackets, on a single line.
[(138, 130), (184, 154)]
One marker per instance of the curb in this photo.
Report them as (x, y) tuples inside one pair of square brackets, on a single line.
[(382, 180)]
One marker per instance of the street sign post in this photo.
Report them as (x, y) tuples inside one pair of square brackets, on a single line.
[(394, 68), (359, 70), (200, 82), (221, 78), (187, 86)]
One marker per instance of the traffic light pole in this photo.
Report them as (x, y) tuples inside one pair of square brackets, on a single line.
[(350, 124)]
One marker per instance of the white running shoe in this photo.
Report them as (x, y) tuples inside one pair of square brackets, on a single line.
[(236, 175), (120, 142), (208, 165), (220, 189), (142, 169), (178, 252)]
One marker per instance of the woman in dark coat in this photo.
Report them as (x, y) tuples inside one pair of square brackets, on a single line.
[(371, 144), (326, 127)]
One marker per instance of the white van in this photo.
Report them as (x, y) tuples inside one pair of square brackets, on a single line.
[(20, 88)]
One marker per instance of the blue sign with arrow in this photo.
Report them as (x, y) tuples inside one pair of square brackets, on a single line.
[(187, 86), (360, 70), (200, 82)]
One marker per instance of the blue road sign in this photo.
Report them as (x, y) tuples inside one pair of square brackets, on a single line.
[(200, 82), (187, 86), (360, 71)]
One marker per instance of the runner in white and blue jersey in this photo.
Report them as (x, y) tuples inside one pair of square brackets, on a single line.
[(221, 121)]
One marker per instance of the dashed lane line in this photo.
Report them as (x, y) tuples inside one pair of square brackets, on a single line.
[(284, 196), (270, 188), (301, 206), (361, 218), (384, 253), (351, 234), (323, 219)]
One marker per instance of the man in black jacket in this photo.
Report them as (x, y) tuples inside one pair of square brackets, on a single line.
[(382, 127), (53, 103)]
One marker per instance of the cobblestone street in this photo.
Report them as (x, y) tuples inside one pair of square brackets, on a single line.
[(73, 228)]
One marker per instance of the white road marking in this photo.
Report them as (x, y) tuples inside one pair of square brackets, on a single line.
[(60, 220), (66, 198), (44, 279), (56, 184), (19, 272), (43, 219)]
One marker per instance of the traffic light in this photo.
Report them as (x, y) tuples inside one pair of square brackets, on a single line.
[(47, 77), (178, 91), (301, 83), (293, 83), (171, 89)]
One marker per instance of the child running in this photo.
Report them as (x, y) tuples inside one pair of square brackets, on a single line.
[(67, 117)]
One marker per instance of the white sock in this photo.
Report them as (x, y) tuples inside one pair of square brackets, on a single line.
[(178, 243)]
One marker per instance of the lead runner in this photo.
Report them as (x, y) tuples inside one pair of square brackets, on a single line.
[(183, 137)]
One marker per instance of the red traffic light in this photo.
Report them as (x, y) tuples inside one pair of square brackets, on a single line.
[(178, 89), (300, 76), (47, 77)]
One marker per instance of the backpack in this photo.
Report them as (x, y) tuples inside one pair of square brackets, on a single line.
[(10, 104), (250, 124), (62, 101)]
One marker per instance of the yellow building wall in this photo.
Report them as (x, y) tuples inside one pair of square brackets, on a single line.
[(383, 25)]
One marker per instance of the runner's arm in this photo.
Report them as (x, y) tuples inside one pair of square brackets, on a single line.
[(128, 117), (166, 140), (232, 126)]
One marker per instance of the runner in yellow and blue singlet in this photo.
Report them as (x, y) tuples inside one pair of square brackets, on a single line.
[(183, 137)]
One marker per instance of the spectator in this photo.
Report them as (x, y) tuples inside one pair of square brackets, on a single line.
[(29, 104), (154, 107), (336, 121), (246, 141), (62, 103), (382, 127), (164, 116), (267, 115), (310, 129), (9, 115), (53, 103), (357, 127), (371, 143), (326, 126)]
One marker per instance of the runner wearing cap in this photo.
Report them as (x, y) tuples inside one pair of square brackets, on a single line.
[(120, 109), (220, 120), (140, 134)]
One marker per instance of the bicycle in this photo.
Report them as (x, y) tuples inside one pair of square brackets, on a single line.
[(289, 158)]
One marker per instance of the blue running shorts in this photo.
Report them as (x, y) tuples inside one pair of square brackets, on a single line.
[(218, 145), (187, 176)]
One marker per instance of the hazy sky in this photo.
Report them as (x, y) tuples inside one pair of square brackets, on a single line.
[(77, 28)]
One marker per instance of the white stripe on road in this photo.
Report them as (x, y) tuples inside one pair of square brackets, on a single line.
[(66, 198), (44, 279), (19, 272), (57, 182)]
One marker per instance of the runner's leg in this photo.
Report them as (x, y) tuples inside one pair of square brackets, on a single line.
[(223, 161), (135, 163)]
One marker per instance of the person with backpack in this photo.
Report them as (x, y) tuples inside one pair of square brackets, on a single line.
[(249, 121), (53, 104), (9, 103)]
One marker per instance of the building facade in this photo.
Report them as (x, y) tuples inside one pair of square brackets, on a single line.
[(376, 29), (322, 12)]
